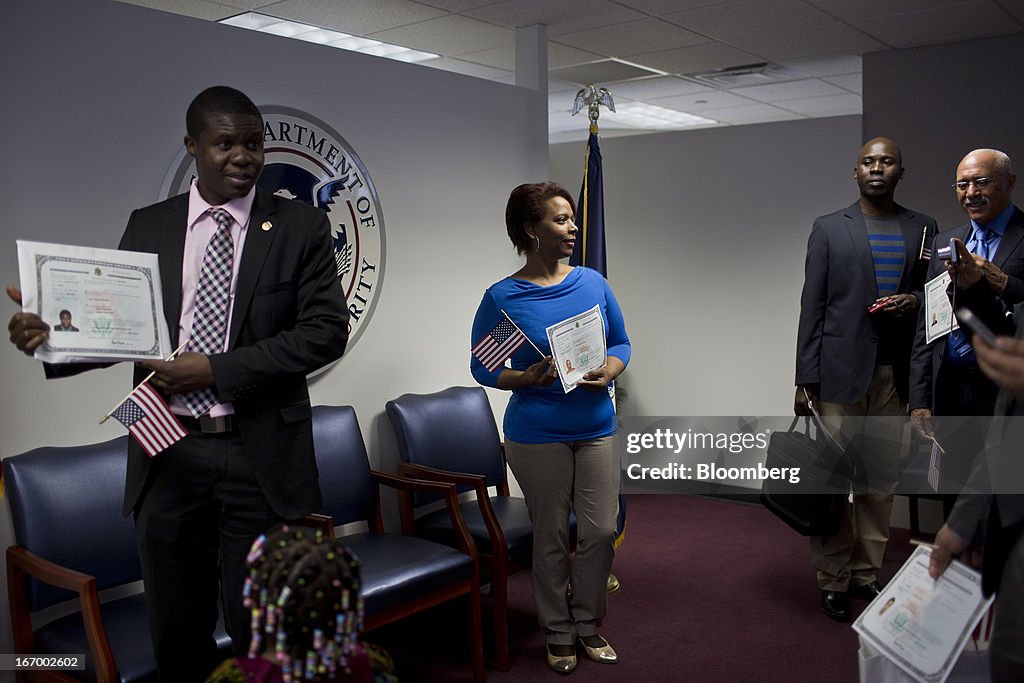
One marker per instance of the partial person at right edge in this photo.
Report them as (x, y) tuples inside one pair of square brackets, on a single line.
[(863, 282), (987, 530)]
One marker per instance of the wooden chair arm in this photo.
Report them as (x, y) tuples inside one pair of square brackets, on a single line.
[(22, 564), (315, 520), (483, 498), (451, 500)]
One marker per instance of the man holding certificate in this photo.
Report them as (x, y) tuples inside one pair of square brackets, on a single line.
[(249, 280)]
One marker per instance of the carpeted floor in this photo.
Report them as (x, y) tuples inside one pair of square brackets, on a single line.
[(712, 591)]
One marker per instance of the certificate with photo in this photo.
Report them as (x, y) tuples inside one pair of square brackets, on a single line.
[(938, 313), (102, 305), (921, 624), (578, 345)]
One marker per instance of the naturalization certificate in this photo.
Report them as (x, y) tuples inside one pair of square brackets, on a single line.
[(920, 624), (578, 345), (102, 305), (938, 313)]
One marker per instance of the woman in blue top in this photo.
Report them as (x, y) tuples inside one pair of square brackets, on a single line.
[(560, 446)]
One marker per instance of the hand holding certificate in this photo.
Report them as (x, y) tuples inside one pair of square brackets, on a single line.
[(102, 305), (578, 345), (922, 624)]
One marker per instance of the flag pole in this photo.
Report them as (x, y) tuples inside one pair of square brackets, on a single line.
[(542, 354), (117, 405)]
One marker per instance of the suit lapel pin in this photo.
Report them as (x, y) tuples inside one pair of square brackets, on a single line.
[(267, 225)]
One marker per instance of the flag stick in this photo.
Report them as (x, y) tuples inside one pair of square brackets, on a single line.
[(542, 354), (117, 405)]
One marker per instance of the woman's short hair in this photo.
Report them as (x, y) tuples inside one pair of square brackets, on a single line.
[(526, 208)]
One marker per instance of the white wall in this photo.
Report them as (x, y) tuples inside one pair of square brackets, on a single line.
[(93, 116), (707, 232)]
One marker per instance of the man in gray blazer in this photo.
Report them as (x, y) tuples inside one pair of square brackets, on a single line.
[(862, 289)]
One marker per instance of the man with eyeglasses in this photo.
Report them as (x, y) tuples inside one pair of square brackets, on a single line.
[(945, 377), (863, 279)]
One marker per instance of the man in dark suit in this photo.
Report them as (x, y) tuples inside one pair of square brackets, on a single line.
[(863, 277), (247, 462), (945, 377), (995, 522)]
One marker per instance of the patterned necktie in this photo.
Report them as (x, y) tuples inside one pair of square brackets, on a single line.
[(210, 320)]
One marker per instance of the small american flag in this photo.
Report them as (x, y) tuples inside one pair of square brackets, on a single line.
[(499, 344), (934, 467), (149, 420)]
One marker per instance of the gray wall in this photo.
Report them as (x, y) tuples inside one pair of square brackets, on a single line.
[(707, 232), (939, 103), (94, 116)]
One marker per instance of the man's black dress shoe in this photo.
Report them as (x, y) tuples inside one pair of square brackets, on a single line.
[(836, 605), (868, 591)]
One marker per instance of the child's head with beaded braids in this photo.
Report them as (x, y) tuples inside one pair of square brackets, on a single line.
[(303, 596)]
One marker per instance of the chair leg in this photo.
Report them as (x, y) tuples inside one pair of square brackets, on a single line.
[(476, 632), (499, 587)]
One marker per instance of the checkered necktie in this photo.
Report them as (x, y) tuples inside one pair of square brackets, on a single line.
[(211, 313)]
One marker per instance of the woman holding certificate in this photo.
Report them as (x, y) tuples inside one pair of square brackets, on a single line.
[(559, 437)]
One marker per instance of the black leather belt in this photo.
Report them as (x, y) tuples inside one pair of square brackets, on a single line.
[(225, 424)]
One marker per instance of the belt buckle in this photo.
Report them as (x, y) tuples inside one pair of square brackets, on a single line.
[(215, 425)]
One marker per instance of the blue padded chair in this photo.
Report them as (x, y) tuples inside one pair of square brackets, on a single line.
[(401, 574), (451, 436), (73, 542)]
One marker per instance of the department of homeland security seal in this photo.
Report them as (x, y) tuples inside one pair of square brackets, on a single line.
[(307, 160)]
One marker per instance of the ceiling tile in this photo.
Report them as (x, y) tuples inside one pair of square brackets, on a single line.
[(833, 105), (504, 57), (852, 10), (456, 5), (807, 42), (632, 38), (560, 16), (851, 82), (791, 90), (695, 59), (450, 36), (941, 24), (562, 55), (662, 86), (660, 7), (360, 17), (754, 113), (825, 65), (607, 71), (467, 68), (749, 17), (555, 85), (715, 99), (247, 5)]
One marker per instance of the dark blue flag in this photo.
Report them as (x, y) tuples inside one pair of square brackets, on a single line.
[(589, 251)]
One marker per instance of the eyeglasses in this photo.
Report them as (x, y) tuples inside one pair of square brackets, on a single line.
[(980, 183)]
